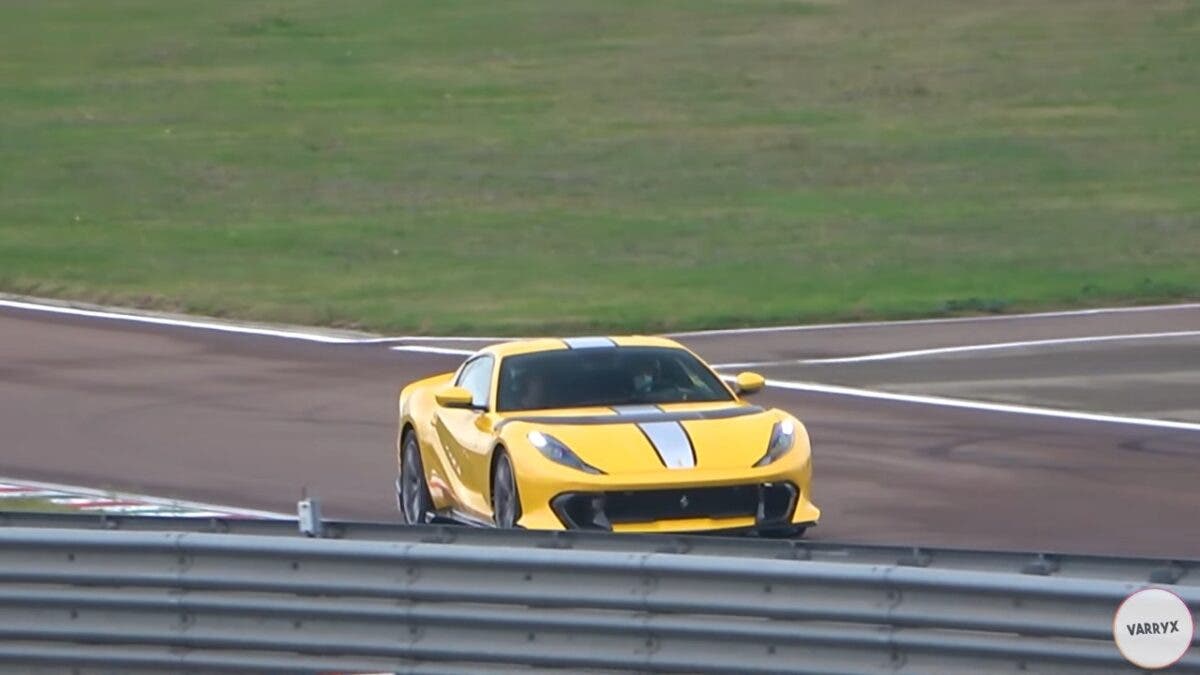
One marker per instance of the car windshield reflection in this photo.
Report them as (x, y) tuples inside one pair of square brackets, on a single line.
[(607, 376)]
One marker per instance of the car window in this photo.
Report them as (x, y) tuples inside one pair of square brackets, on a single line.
[(609, 376), (476, 377)]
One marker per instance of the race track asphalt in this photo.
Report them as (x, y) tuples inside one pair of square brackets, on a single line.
[(252, 421)]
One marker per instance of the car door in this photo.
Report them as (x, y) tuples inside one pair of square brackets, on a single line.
[(466, 437)]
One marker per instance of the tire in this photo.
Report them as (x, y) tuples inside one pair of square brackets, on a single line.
[(412, 490), (506, 502), (792, 532)]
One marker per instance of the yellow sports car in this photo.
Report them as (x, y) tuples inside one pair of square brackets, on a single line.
[(625, 434)]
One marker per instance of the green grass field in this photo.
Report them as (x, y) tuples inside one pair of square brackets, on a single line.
[(560, 165), (32, 504)]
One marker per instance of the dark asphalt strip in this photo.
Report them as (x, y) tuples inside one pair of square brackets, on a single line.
[(251, 421)]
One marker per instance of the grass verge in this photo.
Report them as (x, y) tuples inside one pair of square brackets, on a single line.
[(33, 505), (562, 165)]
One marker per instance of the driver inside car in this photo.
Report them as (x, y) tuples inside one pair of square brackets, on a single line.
[(647, 378), (531, 391)]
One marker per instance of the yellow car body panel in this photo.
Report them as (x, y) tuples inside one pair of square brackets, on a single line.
[(458, 447)]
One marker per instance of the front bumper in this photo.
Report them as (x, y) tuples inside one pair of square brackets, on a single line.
[(775, 497), (770, 505)]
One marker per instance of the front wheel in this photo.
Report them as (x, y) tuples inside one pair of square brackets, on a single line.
[(506, 503), (785, 532), (412, 490)]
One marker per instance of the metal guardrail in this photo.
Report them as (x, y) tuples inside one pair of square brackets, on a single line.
[(1175, 571), (176, 601)]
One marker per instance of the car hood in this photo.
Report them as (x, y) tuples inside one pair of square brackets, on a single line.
[(639, 439)]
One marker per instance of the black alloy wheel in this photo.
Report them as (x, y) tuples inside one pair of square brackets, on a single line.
[(784, 532), (506, 503), (412, 494)]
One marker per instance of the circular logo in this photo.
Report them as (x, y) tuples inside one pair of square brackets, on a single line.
[(1153, 628)]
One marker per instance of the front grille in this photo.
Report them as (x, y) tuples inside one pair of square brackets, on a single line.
[(719, 502), (768, 503)]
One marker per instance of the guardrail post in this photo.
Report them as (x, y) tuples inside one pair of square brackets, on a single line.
[(308, 512)]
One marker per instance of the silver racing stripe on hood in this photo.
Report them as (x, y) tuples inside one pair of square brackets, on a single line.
[(669, 439), (672, 443), (635, 409)]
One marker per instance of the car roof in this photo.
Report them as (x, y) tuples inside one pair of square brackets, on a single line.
[(553, 344)]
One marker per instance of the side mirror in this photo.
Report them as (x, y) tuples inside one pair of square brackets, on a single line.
[(748, 383), (454, 397)]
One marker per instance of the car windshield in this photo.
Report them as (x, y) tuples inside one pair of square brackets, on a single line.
[(605, 376)]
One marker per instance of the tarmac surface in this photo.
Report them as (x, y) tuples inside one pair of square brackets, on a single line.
[(251, 421)]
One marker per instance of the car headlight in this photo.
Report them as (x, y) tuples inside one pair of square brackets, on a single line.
[(558, 452), (783, 437)]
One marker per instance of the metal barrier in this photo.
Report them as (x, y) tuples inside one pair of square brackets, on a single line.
[(1153, 570), (221, 602)]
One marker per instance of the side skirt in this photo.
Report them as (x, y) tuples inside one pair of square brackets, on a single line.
[(456, 517)]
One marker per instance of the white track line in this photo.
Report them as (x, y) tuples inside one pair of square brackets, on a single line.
[(918, 322), (450, 338), (888, 356), (217, 325), (210, 324), (982, 405), (226, 327), (421, 349), (75, 490)]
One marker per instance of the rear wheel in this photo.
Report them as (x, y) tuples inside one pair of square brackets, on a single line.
[(506, 503), (412, 493)]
